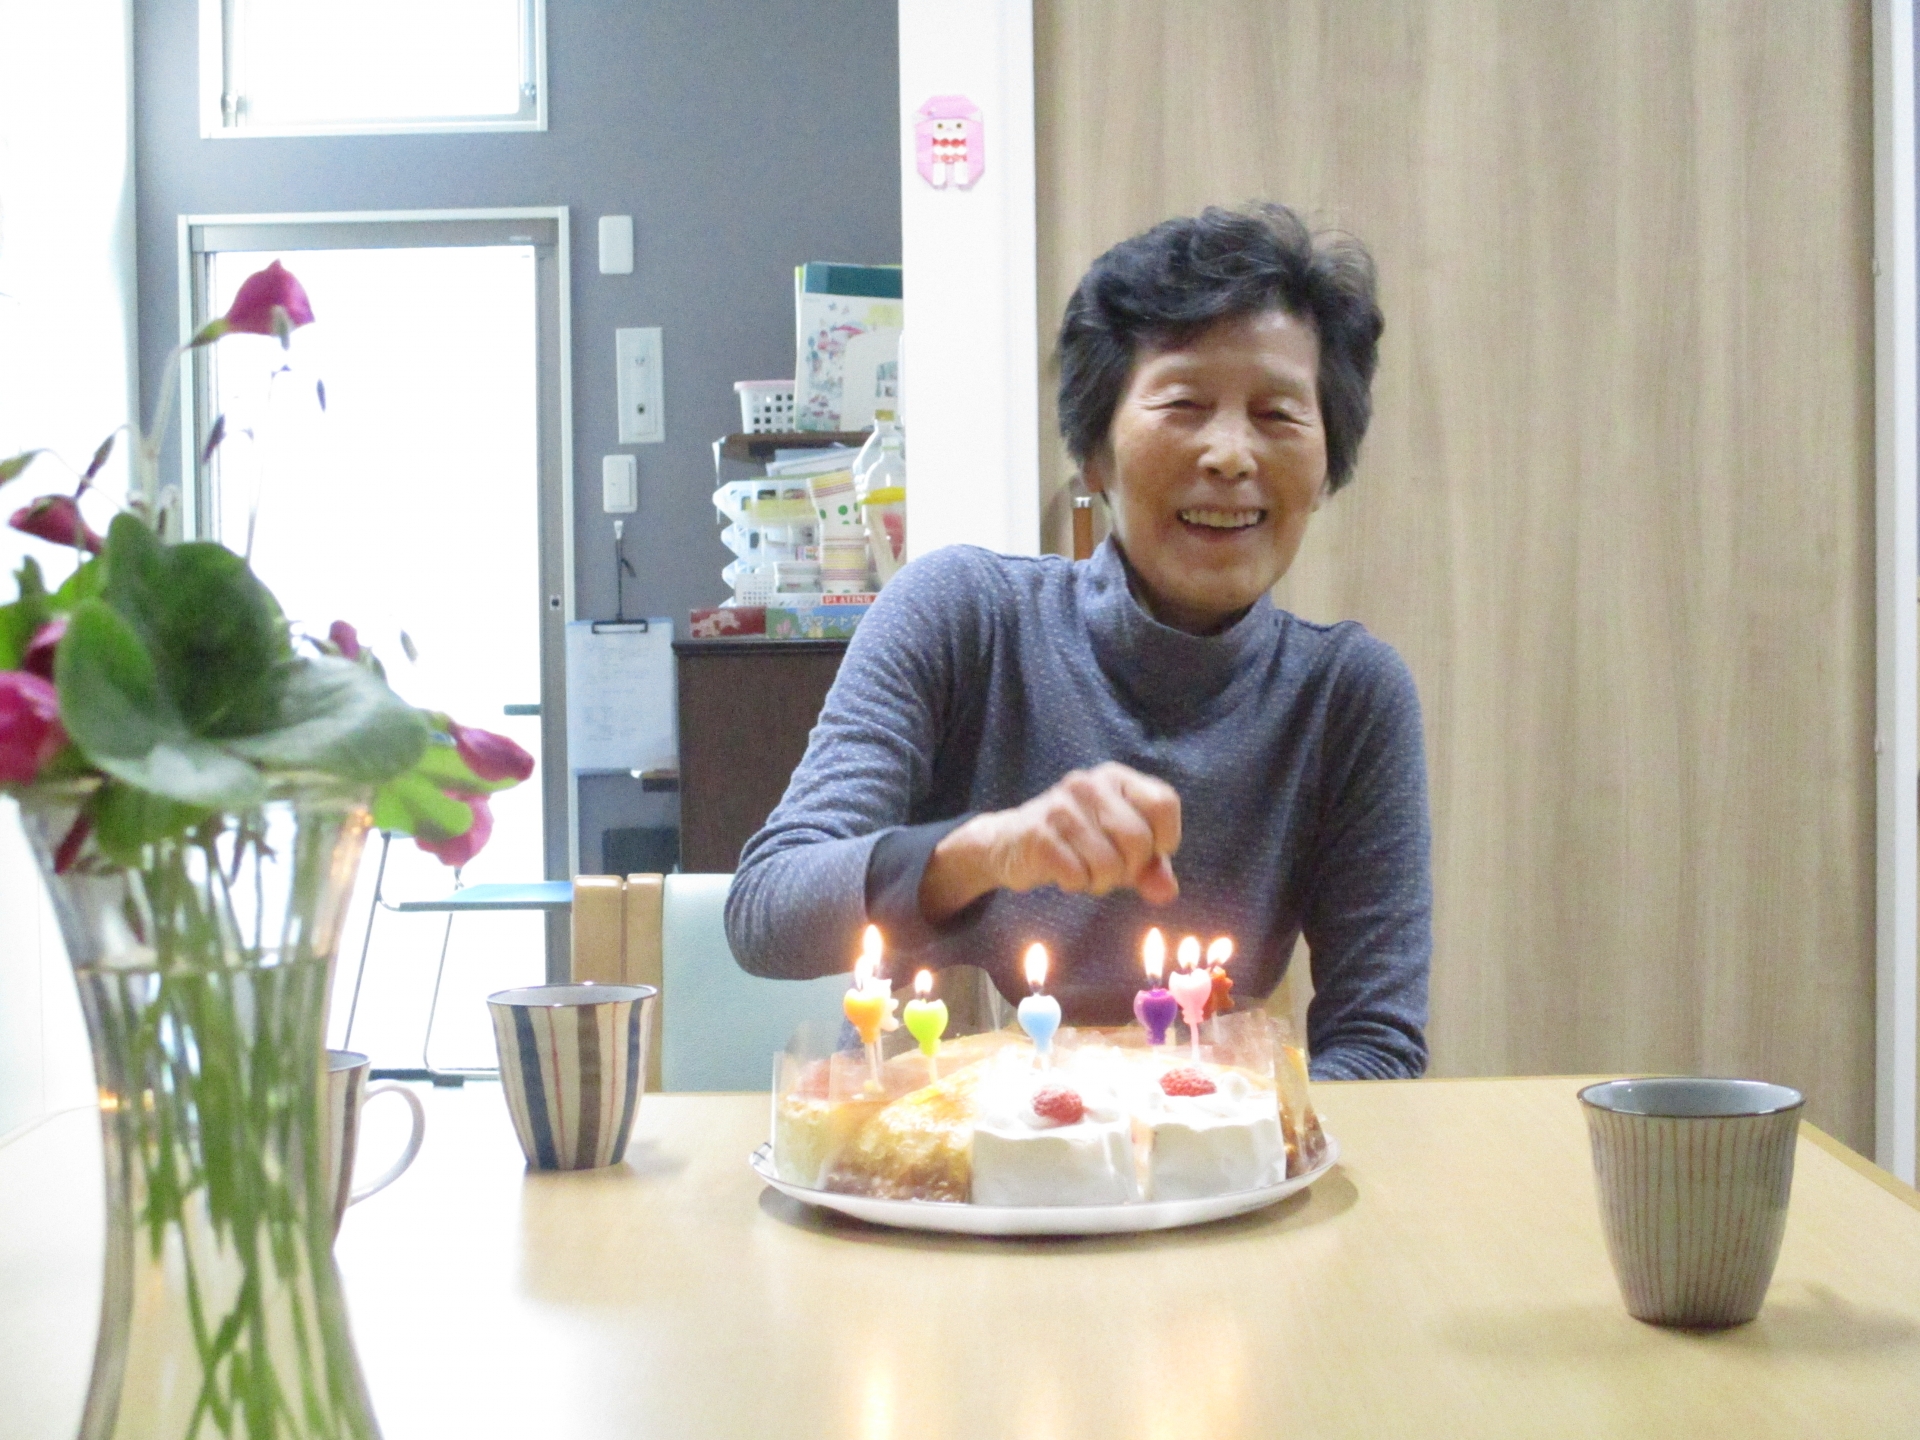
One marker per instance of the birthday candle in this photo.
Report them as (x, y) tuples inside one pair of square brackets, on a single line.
[(927, 1021), (869, 1004), (1218, 953), (1192, 987), (1153, 1007), (1039, 1015)]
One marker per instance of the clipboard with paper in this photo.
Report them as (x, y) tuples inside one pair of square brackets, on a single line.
[(621, 710)]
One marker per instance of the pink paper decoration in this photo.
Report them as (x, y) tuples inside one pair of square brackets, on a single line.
[(949, 142)]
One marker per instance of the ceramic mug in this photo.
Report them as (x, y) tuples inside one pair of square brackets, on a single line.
[(1694, 1177), (573, 1065), (347, 1092)]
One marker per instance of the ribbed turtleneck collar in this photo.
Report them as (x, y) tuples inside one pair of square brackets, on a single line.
[(1164, 672)]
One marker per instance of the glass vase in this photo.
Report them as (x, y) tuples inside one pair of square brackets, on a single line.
[(203, 973)]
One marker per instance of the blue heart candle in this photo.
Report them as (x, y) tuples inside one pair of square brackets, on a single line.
[(1039, 1015)]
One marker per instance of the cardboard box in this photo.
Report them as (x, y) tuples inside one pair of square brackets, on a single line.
[(825, 621), (719, 622)]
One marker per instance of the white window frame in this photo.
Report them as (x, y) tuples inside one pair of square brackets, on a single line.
[(215, 89)]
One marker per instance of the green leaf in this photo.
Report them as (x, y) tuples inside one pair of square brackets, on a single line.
[(13, 465), (114, 708), (413, 805), (110, 697), (340, 718), (218, 640), (441, 763), (83, 584), (125, 820), (21, 621)]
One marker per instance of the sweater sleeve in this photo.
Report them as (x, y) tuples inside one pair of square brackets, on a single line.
[(1368, 918), (800, 895)]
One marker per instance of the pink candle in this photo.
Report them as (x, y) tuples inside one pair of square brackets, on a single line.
[(1154, 1007), (1192, 988)]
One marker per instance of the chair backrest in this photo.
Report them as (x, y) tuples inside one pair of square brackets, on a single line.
[(716, 1027), (721, 1027)]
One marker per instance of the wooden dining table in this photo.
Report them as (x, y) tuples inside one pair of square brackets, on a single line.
[(1447, 1278)]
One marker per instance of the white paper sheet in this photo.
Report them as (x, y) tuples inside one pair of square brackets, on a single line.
[(621, 710)]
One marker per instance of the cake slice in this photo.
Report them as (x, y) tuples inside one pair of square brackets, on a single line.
[(1209, 1131), (1042, 1140)]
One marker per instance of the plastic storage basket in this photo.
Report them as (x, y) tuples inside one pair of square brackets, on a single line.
[(766, 406)]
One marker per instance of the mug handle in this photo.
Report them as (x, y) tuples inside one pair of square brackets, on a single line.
[(399, 1166)]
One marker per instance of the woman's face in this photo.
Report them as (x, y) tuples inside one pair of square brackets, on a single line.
[(1215, 460)]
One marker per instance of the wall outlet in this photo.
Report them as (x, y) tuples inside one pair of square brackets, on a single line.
[(619, 484), (637, 353), (616, 244)]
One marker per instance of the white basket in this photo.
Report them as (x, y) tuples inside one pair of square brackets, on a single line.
[(766, 406)]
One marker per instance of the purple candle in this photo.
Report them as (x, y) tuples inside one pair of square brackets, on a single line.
[(1155, 1007)]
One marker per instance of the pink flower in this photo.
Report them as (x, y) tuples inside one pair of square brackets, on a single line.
[(490, 756), (56, 518), (345, 639), (39, 657), (270, 302), (30, 729), (457, 850)]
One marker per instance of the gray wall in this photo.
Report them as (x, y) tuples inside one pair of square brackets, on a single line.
[(743, 136)]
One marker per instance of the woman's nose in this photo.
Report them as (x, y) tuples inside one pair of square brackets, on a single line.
[(1228, 447)]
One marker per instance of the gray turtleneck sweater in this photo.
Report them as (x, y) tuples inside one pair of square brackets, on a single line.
[(978, 680)]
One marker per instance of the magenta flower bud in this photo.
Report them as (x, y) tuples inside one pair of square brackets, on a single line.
[(39, 657), (30, 729), (345, 639), (56, 518), (492, 757), (457, 850), (269, 302)]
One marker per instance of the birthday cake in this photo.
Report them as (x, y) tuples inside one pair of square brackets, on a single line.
[(1105, 1119)]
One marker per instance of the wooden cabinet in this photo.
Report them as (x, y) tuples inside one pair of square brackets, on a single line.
[(746, 709)]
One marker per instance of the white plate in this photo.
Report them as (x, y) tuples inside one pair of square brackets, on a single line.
[(960, 1219)]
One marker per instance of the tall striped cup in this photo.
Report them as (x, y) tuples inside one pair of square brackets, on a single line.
[(1694, 1177), (573, 1063)]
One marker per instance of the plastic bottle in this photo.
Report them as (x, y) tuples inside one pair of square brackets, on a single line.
[(882, 461)]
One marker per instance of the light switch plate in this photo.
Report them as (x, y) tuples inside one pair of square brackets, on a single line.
[(619, 484), (637, 352), (616, 244)]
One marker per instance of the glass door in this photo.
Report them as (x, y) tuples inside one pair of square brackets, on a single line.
[(392, 469)]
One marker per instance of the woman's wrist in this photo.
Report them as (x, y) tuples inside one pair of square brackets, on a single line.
[(959, 871)]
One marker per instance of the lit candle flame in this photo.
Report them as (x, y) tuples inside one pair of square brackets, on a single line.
[(923, 985), (1036, 965), (1153, 950), (863, 972), (1220, 951), (871, 947), (1189, 952)]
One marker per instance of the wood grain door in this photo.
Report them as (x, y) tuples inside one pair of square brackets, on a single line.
[(1616, 508)]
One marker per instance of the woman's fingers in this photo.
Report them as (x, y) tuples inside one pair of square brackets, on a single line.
[(1096, 831), (1159, 886), (1157, 802)]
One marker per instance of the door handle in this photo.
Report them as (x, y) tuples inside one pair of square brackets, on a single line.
[(522, 709)]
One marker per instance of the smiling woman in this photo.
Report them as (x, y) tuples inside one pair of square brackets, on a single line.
[(1020, 749)]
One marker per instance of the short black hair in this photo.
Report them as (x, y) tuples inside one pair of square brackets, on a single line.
[(1161, 288)]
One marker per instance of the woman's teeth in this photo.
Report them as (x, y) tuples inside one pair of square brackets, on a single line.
[(1223, 519)]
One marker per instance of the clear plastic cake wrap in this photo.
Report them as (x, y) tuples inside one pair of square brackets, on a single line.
[(1109, 1120)]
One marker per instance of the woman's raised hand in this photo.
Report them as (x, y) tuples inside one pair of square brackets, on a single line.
[(1108, 828)]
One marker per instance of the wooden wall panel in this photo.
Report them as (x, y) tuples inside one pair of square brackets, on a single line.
[(1616, 508)]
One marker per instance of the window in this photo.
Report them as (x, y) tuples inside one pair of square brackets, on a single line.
[(343, 67)]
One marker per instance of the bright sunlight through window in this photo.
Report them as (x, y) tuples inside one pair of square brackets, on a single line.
[(316, 67)]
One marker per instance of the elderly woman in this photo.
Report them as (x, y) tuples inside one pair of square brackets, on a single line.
[(1022, 749)]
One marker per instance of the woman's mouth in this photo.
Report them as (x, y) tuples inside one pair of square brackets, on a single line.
[(1222, 520)]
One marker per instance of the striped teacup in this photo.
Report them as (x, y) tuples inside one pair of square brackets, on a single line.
[(1694, 1176), (573, 1062)]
